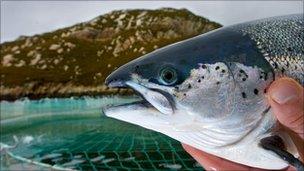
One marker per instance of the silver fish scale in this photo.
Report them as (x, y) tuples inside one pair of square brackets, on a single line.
[(280, 40)]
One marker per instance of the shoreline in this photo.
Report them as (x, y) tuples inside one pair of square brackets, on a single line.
[(51, 90)]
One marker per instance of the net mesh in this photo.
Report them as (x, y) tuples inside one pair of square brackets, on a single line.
[(79, 137), (139, 149)]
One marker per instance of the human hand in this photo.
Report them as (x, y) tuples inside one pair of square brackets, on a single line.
[(286, 99)]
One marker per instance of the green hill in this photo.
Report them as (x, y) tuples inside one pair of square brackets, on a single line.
[(76, 60)]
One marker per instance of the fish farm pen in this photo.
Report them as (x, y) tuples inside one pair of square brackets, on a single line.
[(73, 134)]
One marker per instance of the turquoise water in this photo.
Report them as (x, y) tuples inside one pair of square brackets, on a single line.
[(73, 133)]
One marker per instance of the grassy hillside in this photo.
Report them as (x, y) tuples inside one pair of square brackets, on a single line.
[(76, 60)]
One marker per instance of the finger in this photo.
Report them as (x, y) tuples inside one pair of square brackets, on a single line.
[(286, 99), (210, 162)]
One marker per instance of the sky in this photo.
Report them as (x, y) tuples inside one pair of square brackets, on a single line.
[(35, 17)]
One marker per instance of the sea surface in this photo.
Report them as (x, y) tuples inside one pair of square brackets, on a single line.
[(74, 134)]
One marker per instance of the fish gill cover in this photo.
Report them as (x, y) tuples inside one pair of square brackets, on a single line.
[(75, 60)]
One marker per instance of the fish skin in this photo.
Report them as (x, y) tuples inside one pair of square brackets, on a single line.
[(264, 43), (217, 95), (281, 41)]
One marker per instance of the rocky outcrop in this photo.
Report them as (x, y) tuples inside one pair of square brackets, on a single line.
[(81, 56)]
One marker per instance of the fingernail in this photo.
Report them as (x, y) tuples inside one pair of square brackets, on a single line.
[(285, 92)]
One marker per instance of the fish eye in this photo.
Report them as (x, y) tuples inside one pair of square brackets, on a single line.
[(168, 76)]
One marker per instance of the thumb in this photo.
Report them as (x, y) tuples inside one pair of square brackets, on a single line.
[(286, 99)]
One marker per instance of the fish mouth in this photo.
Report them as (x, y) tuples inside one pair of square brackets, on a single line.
[(160, 100)]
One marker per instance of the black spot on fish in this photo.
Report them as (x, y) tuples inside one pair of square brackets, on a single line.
[(204, 66), (217, 67), (223, 71), (244, 95), (189, 86), (242, 71), (199, 80), (256, 91), (203, 77), (265, 91), (283, 70), (275, 65), (243, 79), (185, 94), (136, 68), (217, 83), (265, 76), (296, 67)]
